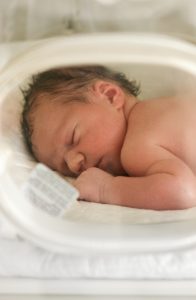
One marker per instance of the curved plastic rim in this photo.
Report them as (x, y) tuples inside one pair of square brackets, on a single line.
[(66, 236)]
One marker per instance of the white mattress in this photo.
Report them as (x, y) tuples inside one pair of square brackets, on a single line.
[(18, 258)]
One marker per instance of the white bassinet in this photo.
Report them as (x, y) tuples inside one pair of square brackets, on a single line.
[(102, 249)]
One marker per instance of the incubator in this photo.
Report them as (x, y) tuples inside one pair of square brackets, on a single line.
[(162, 64), (92, 241)]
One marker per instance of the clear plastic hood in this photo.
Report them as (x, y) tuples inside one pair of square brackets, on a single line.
[(164, 66)]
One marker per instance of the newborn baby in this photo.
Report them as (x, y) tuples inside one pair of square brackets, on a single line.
[(87, 122)]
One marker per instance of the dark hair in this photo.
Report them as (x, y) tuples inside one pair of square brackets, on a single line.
[(66, 84)]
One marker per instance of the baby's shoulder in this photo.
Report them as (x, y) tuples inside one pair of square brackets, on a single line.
[(136, 149), (145, 130)]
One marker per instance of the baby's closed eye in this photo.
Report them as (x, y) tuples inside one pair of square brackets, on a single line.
[(74, 136)]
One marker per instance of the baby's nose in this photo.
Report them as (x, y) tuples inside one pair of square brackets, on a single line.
[(75, 162)]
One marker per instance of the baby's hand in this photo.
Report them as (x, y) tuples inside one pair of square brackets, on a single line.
[(91, 184)]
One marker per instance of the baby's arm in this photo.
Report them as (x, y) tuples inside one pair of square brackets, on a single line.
[(168, 183)]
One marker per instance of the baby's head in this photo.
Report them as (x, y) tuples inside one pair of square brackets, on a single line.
[(56, 106)]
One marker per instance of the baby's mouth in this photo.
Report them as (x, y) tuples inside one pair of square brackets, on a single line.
[(109, 167), (103, 165), (98, 164)]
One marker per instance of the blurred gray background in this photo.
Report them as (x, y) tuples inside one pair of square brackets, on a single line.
[(36, 19)]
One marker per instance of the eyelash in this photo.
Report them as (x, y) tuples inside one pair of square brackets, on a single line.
[(73, 137)]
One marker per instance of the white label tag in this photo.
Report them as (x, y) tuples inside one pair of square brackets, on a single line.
[(48, 191)]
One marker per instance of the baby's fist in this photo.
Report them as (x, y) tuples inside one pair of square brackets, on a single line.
[(92, 184)]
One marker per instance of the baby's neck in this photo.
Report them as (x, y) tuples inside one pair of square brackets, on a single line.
[(130, 103)]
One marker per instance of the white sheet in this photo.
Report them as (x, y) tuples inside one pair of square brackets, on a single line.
[(21, 259), (6, 229)]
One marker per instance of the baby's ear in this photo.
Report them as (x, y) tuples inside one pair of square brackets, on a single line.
[(108, 91)]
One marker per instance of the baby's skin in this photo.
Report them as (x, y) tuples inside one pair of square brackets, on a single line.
[(139, 154)]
